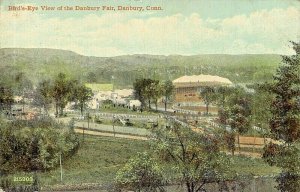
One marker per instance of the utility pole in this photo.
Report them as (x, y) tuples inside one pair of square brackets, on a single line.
[(113, 123), (61, 172), (23, 101), (82, 132), (88, 117)]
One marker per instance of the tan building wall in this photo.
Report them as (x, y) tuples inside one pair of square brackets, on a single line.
[(188, 88), (186, 94)]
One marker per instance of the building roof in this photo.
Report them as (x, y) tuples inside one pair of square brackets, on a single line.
[(99, 87), (200, 80), (124, 92)]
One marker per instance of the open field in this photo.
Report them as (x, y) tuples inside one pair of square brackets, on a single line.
[(99, 158), (97, 161)]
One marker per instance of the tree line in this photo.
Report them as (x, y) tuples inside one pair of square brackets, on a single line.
[(60, 91), (57, 92)]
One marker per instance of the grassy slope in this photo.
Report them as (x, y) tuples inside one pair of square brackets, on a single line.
[(96, 162), (253, 166), (100, 157)]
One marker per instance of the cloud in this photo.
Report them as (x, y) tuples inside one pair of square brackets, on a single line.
[(265, 31)]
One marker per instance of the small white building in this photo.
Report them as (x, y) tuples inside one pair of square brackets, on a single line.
[(134, 103), (121, 101)]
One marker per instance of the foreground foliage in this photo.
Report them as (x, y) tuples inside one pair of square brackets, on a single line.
[(195, 160), (141, 172), (34, 145), (285, 122)]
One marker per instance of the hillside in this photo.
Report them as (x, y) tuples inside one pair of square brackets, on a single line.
[(44, 63)]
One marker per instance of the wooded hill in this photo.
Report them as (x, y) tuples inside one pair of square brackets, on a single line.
[(38, 64)]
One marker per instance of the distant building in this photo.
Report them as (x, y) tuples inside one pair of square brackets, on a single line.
[(187, 88), (119, 97), (134, 104)]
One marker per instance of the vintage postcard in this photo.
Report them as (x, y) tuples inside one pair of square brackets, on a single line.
[(150, 95)]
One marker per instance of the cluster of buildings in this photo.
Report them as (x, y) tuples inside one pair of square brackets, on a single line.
[(105, 92)]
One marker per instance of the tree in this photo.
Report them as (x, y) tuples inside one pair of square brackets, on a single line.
[(139, 90), (223, 93), (167, 90), (261, 102), (155, 92), (240, 115), (285, 108), (91, 77), (285, 122), (196, 158), (43, 95), (61, 92), (235, 111), (6, 98), (208, 94), (151, 90), (31, 145), (195, 161), (141, 173), (145, 90), (223, 116), (239, 122), (22, 84), (82, 95), (287, 157), (229, 138)]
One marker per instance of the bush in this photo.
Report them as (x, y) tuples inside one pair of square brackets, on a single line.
[(140, 173), (289, 182), (9, 185), (98, 120), (34, 145)]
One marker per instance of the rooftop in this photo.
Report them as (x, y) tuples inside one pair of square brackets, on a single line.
[(195, 80), (99, 87)]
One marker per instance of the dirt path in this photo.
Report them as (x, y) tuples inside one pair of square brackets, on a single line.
[(98, 133)]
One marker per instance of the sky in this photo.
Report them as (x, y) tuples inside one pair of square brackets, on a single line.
[(185, 27)]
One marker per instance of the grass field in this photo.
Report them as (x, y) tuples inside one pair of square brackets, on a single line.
[(99, 158), (253, 166), (97, 161)]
